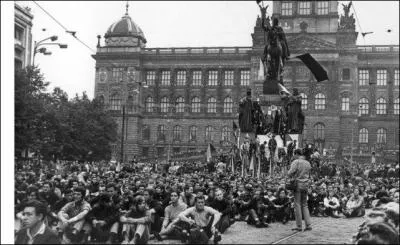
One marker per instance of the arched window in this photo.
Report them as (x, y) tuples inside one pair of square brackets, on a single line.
[(228, 105), (164, 104), (149, 104), (161, 133), (320, 101), (212, 105), (195, 105), (180, 105), (177, 133), (130, 103), (381, 106), (115, 102), (396, 106), (345, 103), (101, 99), (381, 136), (363, 136), (319, 131), (209, 133), (304, 101), (226, 133), (363, 106), (192, 133), (146, 132)]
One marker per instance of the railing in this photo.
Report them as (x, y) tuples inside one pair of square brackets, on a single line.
[(199, 50), (378, 48), (117, 49)]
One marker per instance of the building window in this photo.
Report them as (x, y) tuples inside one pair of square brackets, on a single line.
[(304, 101), (103, 74), (181, 78), (164, 104), (381, 106), (322, 7), (130, 103), (165, 78), (304, 8), (196, 78), (381, 136), (346, 74), (161, 133), (18, 33), (177, 133), (363, 77), (192, 133), (212, 78), (320, 102), (228, 78), (363, 136), (396, 107), (132, 74), (150, 78), (117, 74), (146, 132), (115, 102), (101, 99), (245, 78), (160, 151), (345, 104), (195, 105), (381, 77), (209, 133), (319, 131), (145, 151), (287, 8), (212, 105), (396, 77), (302, 73), (149, 104), (180, 105), (176, 150), (226, 133), (228, 105), (363, 106)]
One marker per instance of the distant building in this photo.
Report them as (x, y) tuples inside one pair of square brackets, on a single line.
[(23, 36), (193, 93)]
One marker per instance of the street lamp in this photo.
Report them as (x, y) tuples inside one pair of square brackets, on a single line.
[(43, 50)]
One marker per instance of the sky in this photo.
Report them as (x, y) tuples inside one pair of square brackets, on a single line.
[(167, 24)]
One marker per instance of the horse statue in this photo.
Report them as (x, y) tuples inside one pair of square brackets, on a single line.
[(276, 50)]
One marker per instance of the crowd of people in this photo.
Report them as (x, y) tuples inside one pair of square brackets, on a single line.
[(102, 202)]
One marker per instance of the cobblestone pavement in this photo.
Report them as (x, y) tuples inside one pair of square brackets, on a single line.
[(326, 230)]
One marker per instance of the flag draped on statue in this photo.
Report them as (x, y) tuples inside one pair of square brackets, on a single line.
[(210, 151), (316, 69), (261, 72)]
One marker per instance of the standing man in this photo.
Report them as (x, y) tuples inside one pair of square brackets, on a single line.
[(300, 170), (34, 230)]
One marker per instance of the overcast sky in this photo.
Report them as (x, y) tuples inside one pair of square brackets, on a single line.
[(167, 24)]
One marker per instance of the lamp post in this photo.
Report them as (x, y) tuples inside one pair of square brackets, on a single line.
[(44, 50)]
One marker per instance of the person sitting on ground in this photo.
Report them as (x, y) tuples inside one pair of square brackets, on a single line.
[(258, 207), (332, 205), (355, 205), (72, 217), (282, 206), (170, 225), (34, 229), (200, 216), (222, 205), (136, 223), (101, 220)]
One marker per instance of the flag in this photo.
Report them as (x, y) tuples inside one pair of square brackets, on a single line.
[(283, 90), (233, 165), (261, 71), (235, 127), (316, 69), (210, 151)]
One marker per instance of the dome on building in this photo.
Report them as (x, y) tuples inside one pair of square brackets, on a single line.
[(125, 32)]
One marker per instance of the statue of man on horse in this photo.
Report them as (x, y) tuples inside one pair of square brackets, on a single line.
[(276, 50)]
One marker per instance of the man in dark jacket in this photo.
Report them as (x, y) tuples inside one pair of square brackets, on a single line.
[(222, 205), (102, 217), (34, 229)]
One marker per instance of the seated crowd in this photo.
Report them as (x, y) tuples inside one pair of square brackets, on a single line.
[(102, 203)]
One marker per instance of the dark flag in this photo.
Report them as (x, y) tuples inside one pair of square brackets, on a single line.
[(235, 127), (258, 1), (316, 69)]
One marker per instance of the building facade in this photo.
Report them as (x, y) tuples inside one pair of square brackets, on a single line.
[(180, 99), (22, 36)]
